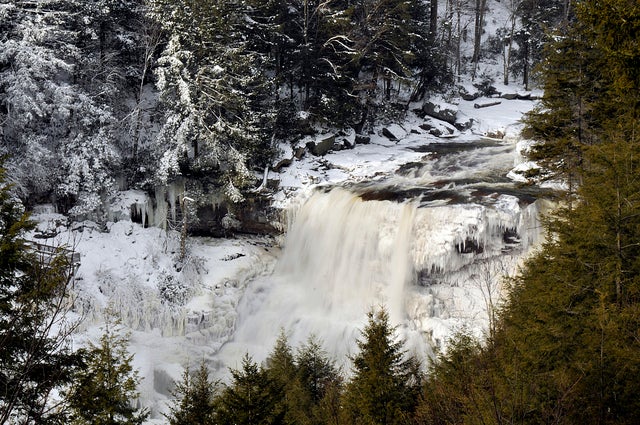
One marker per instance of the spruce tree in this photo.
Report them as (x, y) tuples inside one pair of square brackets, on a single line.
[(280, 368), (35, 360), (317, 385), (249, 398), (194, 397), (386, 381), (104, 391)]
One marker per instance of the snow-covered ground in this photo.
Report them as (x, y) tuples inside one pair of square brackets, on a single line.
[(183, 311), (382, 156)]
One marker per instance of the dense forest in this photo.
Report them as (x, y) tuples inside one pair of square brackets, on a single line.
[(107, 93)]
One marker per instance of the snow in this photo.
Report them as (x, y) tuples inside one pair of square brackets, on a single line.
[(183, 311)]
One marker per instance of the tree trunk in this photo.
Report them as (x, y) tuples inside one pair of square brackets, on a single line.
[(525, 72), (508, 47), (477, 35), (433, 20)]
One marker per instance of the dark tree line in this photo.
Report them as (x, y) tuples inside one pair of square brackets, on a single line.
[(565, 349)]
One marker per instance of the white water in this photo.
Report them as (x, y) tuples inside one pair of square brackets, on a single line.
[(435, 260)]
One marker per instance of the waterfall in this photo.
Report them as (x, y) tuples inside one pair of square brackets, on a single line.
[(434, 266)]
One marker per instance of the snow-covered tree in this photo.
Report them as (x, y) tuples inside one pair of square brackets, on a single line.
[(219, 117)]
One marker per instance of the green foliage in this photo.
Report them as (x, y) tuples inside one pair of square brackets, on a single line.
[(566, 346), (592, 86), (386, 382), (249, 398), (316, 386), (194, 395), (104, 391), (34, 361)]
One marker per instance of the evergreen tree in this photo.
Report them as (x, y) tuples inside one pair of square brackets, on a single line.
[(591, 86), (280, 368), (35, 360), (317, 382), (194, 395), (219, 115), (538, 18), (249, 398), (386, 382), (105, 391)]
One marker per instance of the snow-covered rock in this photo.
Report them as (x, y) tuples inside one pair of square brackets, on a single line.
[(394, 132), (321, 147), (441, 110)]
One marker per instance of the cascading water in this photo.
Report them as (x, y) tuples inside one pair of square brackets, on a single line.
[(431, 244)]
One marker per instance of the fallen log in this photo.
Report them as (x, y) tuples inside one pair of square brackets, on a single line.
[(485, 105)]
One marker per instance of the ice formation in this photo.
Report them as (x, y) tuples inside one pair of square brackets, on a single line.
[(432, 245)]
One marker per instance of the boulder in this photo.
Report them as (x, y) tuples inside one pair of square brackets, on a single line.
[(438, 128), (321, 147), (362, 139), (347, 144), (509, 96), (394, 132), (464, 125), (440, 110)]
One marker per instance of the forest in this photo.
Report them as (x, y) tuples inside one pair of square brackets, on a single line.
[(106, 94), (115, 94)]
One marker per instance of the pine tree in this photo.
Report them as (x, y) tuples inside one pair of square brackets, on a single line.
[(280, 368), (386, 382), (248, 399), (105, 391), (35, 361), (565, 349), (591, 86), (194, 395), (317, 384)]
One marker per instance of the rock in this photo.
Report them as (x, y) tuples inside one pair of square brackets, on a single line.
[(419, 113), (346, 144), (435, 132), (442, 111), (517, 96), (426, 126), (497, 134), (394, 132), (469, 97), (361, 139), (321, 147), (463, 125), (388, 134), (438, 128), (283, 163), (298, 152)]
